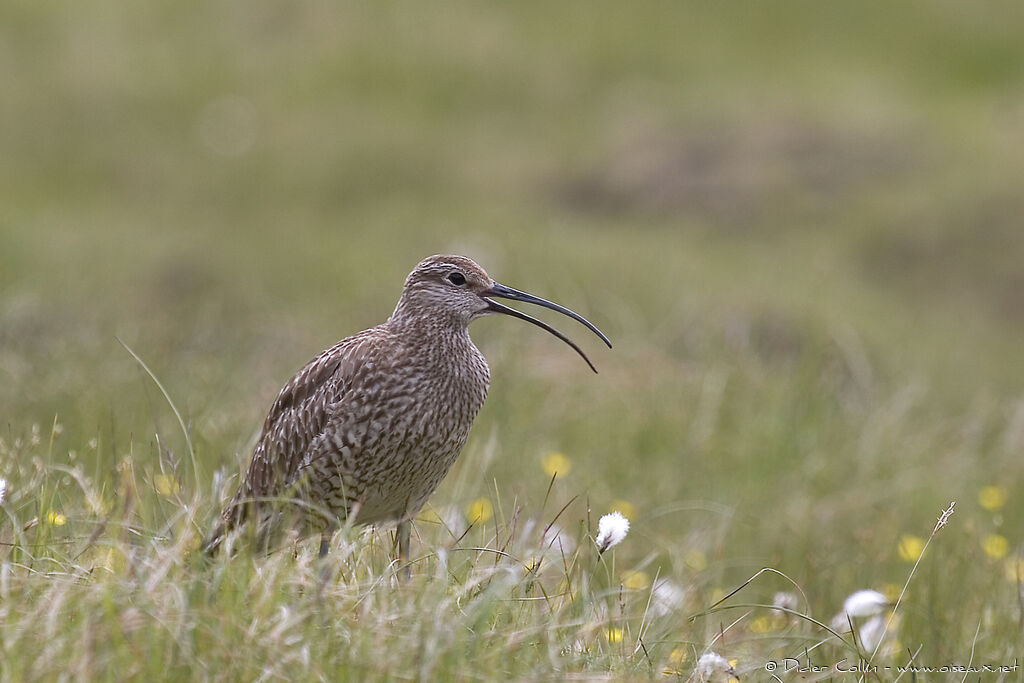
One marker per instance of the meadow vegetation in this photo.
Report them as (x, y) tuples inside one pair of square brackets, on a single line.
[(800, 224)]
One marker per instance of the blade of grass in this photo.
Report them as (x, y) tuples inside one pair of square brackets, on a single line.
[(170, 402)]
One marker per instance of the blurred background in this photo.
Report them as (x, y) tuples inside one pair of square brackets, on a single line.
[(799, 222)]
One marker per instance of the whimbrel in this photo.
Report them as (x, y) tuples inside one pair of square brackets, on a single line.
[(366, 431)]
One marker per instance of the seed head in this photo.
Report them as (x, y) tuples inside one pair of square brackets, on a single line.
[(865, 603), (611, 529), (785, 600), (712, 666), (872, 632)]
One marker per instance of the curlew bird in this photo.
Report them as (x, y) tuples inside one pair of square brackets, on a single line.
[(366, 431)]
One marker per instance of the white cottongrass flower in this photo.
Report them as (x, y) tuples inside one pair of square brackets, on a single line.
[(865, 603), (860, 605), (3, 490), (871, 606), (785, 600), (840, 623), (712, 665), (611, 529), (871, 632), (666, 597)]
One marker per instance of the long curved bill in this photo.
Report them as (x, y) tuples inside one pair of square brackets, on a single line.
[(514, 294)]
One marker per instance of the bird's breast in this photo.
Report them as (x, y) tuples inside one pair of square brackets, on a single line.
[(411, 430), (451, 393)]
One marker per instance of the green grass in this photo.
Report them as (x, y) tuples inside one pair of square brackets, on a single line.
[(799, 224)]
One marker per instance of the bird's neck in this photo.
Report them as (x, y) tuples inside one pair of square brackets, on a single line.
[(441, 350), (445, 334)]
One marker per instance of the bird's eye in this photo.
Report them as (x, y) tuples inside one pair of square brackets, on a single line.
[(457, 279)]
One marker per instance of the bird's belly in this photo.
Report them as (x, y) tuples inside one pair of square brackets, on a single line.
[(404, 487), (387, 472)]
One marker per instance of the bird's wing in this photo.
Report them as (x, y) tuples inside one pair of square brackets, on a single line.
[(301, 412)]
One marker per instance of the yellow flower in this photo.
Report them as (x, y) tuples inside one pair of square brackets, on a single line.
[(480, 510), (1015, 569), (910, 547), (627, 509), (892, 591), (166, 484), (635, 581), (696, 560), (556, 465), (995, 546), (992, 497), (55, 518), (676, 658), (615, 635)]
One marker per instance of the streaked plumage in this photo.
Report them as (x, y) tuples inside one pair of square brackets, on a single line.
[(367, 430)]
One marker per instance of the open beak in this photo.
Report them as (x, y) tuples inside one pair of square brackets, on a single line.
[(514, 294)]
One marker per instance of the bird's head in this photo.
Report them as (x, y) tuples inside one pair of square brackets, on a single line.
[(454, 289)]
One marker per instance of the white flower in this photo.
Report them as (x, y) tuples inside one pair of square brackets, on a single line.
[(611, 529), (3, 489), (785, 601), (840, 623), (871, 632), (666, 597), (865, 603), (712, 663), (858, 605)]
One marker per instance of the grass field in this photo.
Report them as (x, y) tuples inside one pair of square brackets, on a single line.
[(799, 223)]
